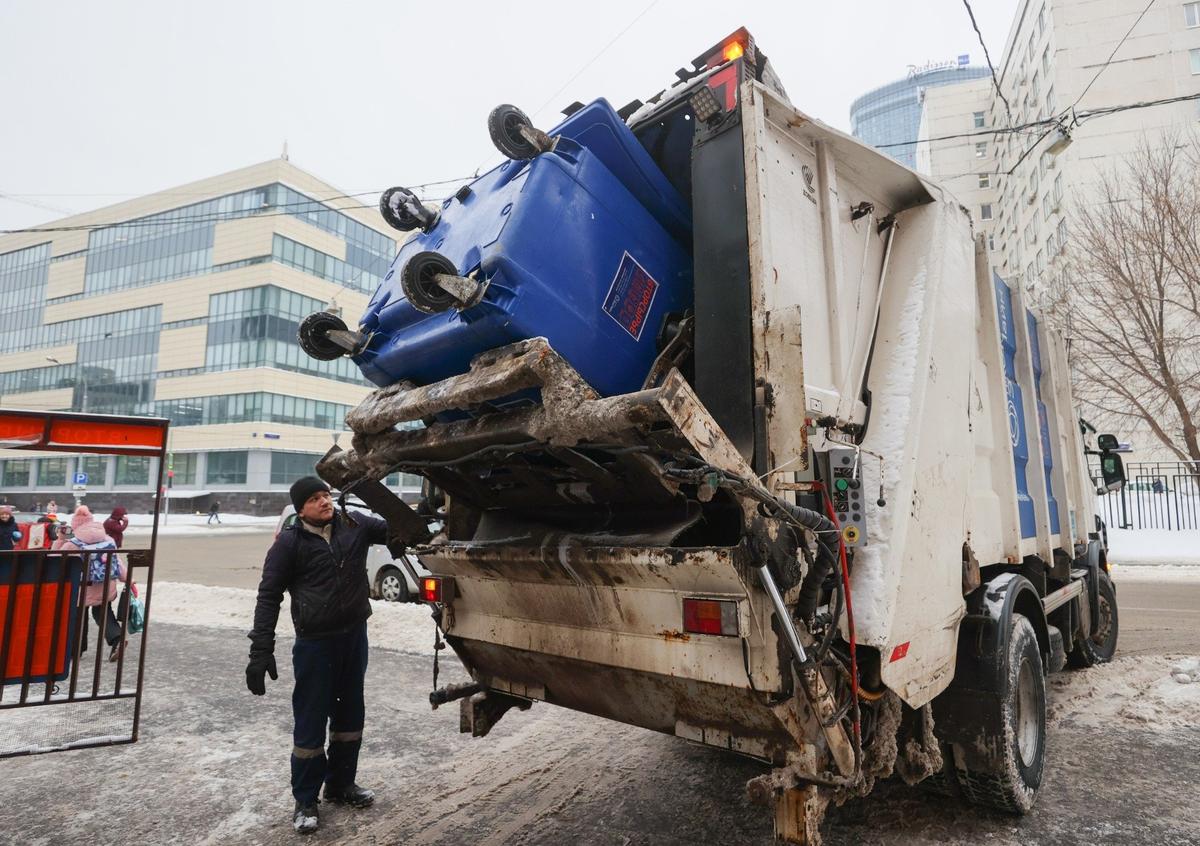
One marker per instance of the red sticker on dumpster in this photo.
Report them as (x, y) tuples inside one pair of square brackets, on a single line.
[(630, 296), (900, 651)]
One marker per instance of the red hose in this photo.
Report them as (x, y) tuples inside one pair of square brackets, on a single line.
[(849, 621)]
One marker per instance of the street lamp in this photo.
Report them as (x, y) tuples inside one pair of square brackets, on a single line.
[(82, 382)]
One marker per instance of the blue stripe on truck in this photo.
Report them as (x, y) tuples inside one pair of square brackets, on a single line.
[(1035, 349), (1016, 406)]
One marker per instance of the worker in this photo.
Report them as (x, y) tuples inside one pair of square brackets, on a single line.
[(321, 561)]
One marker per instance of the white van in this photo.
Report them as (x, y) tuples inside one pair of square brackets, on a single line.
[(393, 579)]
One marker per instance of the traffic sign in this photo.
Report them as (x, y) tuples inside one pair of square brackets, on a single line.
[(81, 478)]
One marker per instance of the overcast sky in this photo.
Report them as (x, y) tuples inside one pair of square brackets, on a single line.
[(103, 101)]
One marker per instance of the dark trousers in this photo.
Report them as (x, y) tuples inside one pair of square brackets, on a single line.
[(112, 628), (329, 692)]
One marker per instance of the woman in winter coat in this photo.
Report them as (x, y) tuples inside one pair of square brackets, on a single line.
[(9, 530), (116, 524), (89, 536)]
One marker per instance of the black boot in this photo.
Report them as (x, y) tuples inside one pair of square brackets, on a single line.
[(306, 819), (353, 795)]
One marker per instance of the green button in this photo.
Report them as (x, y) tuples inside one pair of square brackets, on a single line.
[(841, 484)]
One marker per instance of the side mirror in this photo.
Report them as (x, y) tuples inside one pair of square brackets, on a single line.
[(1113, 471), (1107, 443)]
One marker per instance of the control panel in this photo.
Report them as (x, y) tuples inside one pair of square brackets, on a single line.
[(846, 492)]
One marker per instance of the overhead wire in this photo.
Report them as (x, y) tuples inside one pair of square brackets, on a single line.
[(987, 56), (1108, 61)]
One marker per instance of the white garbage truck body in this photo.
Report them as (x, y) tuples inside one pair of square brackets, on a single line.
[(654, 557)]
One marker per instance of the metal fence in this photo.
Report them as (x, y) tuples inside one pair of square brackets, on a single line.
[(1157, 495)]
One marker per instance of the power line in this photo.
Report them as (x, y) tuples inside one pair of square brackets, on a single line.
[(216, 217), (988, 57), (1108, 61)]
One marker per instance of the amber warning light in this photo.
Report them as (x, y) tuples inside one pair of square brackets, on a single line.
[(733, 51)]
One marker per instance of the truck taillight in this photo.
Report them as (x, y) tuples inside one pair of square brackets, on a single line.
[(437, 589), (710, 616)]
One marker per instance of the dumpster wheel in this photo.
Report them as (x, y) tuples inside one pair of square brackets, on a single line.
[(504, 125), (313, 335), (419, 286)]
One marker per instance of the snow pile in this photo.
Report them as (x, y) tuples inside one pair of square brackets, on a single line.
[(1146, 691), (403, 627), (1154, 546)]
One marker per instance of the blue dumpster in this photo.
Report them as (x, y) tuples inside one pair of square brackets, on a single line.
[(587, 245)]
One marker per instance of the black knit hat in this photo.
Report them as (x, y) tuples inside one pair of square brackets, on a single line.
[(303, 488)]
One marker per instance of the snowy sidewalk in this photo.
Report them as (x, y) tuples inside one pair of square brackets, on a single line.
[(401, 627), (197, 524)]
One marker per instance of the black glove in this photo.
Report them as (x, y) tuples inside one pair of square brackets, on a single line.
[(256, 672)]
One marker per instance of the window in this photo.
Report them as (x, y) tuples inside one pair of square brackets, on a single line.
[(133, 470), (1041, 22), (1191, 14), (978, 118), (1050, 100), (287, 467), (1033, 86), (985, 211), (1046, 61), (1058, 189), (1050, 245), (183, 464), (1062, 234), (981, 146), (1040, 261), (1194, 58), (52, 472), (96, 467), (992, 243), (226, 468), (407, 481), (1047, 206), (16, 472), (1030, 273), (985, 180)]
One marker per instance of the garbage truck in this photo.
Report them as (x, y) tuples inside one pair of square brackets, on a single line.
[(729, 431)]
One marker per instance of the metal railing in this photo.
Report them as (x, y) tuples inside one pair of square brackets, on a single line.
[(44, 605), (1157, 495)]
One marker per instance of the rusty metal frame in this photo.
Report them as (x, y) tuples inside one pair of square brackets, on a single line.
[(67, 432)]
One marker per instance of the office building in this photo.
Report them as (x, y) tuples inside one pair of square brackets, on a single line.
[(185, 304), (889, 116)]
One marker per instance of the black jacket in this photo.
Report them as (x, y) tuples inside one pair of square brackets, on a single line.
[(327, 581)]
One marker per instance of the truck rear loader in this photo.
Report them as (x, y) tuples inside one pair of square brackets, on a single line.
[(729, 431)]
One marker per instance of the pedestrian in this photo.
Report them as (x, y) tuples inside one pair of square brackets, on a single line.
[(116, 524), (89, 536), (212, 512), (321, 561), (51, 507), (10, 532), (37, 506), (50, 518)]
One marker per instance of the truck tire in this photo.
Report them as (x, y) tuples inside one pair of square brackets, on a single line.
[(1100, 647), (944, 782), (1004, 771)]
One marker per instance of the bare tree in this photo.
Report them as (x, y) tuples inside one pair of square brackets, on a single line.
[(1131, 295)]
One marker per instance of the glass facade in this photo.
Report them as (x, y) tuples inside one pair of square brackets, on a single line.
[(287, 467), (256, 327), (891, 114), (23, 276), (183, 464), (178, 243), (252, 408), (226, 468)]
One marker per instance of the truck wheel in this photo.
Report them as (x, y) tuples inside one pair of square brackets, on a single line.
[(392, 586), (1102, 645), (1004, 770), (504, 126), (944, 782)]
